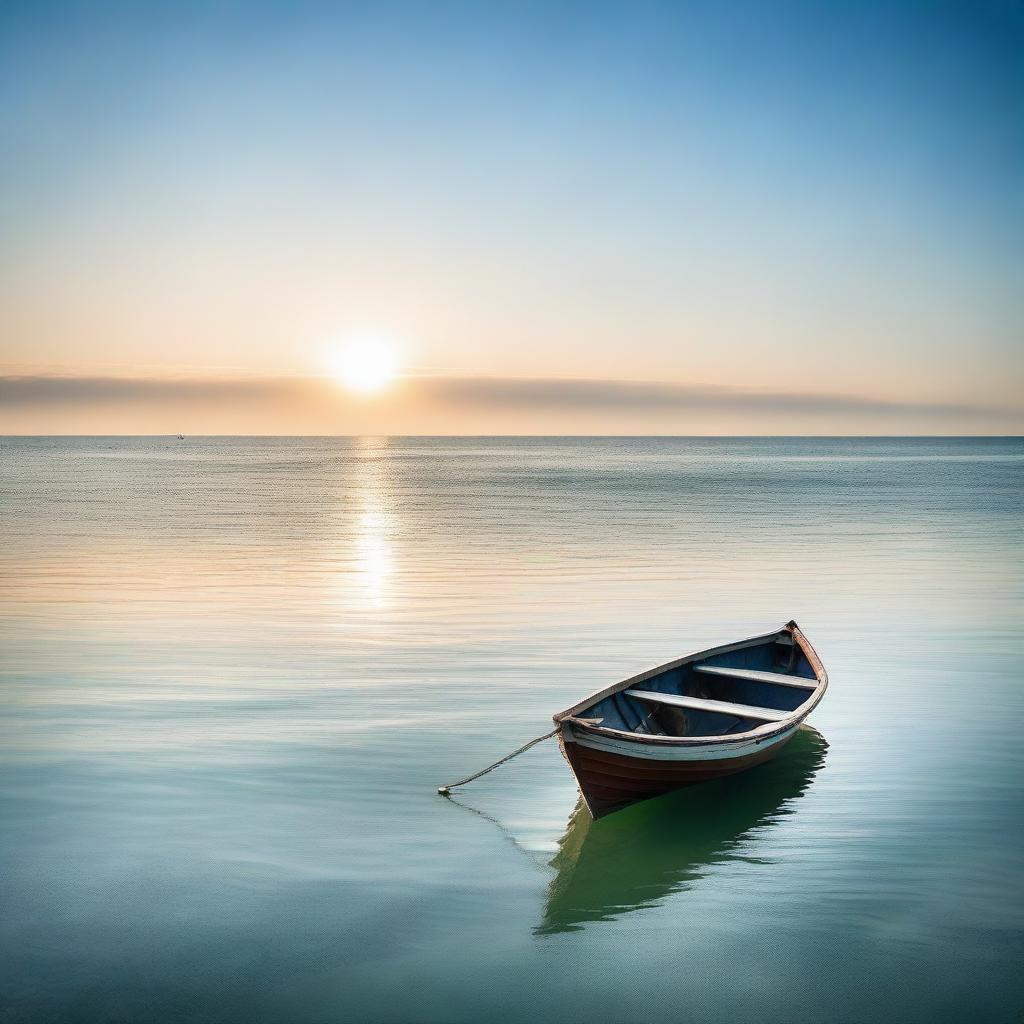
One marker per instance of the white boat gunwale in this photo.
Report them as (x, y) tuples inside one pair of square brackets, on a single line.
[(710, 750), (759, 733)]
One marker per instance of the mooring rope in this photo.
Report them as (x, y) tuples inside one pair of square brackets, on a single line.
[(445, 790)]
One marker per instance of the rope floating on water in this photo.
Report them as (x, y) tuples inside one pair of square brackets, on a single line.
[(445, 790)]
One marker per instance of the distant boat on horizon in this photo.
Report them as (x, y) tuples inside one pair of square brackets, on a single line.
[(701, 717), (181, 437)]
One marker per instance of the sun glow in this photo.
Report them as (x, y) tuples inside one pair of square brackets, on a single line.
[(366, 364)]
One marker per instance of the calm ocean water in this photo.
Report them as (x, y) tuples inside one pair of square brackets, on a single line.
[(235, 670)]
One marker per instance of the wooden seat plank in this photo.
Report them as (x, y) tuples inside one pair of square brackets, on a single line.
[(756, 676), (702, 704)]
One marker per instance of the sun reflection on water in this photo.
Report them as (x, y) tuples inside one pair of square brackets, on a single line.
[(372, 524), (374, 560)]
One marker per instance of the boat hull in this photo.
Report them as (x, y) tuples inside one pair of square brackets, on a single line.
[(612, 774)]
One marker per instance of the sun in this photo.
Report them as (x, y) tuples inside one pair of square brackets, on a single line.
[(366, 365)]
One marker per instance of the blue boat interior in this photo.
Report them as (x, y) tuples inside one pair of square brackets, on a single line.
[(731, 692)]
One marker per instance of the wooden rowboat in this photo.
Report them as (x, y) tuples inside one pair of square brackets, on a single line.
[(710, 714)]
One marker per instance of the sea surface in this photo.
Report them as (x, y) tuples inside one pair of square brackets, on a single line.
[(235, 670)]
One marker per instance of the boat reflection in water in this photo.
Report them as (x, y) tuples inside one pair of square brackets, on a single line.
[(636, 858)]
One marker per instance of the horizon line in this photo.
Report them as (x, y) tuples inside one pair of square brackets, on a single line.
[(544, 437)]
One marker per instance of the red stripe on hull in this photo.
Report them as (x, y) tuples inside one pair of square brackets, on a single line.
[(610, 782)]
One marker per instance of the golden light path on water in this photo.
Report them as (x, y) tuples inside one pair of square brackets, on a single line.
[(375, 521)]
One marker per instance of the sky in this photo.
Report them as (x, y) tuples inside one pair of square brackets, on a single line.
[(677, 218)]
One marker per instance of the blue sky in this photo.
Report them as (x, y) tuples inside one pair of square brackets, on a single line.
[(814, 199)]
